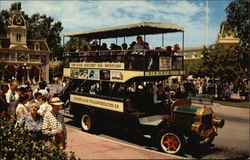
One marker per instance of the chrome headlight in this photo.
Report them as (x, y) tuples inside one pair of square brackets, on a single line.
[(196, 127), (217, 122)]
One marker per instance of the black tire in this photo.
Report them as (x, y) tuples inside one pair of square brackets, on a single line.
[(87, 122), (171, 142)]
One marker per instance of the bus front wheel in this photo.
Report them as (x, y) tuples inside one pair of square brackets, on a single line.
[(170, 141), (87, 122)]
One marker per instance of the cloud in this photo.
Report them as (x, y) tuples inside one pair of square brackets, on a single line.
[(84, 15)]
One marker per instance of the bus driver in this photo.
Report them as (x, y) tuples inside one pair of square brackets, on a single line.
[(160, 98)]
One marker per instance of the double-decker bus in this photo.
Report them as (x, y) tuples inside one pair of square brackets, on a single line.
[(117, 87)]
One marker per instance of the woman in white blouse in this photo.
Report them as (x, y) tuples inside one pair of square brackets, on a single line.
[(21, 109)]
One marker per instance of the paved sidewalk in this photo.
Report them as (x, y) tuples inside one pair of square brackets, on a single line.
[(88, 146), (242, 113)]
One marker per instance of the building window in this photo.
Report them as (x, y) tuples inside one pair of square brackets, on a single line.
[(37, 47), (193, 55), (18, 37)]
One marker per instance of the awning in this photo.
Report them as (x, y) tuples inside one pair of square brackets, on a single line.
[(142, 28)]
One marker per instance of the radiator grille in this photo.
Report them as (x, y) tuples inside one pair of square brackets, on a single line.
[(207, 122)]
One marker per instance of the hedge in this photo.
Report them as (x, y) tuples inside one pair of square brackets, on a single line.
[(16, 143)]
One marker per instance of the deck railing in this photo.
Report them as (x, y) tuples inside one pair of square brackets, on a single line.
[(133, 60)]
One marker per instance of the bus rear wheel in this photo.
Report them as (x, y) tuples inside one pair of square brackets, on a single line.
[(170, 142), (87, 122)]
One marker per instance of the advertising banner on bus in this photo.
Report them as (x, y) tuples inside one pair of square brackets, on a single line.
[(97, 102)]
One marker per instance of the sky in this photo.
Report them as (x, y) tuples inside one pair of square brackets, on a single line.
[(86, 15)]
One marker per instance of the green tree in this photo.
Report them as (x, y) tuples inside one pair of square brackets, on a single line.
[(238, 17), (193, 68), (218, 62), (43, 27), (4, 16)]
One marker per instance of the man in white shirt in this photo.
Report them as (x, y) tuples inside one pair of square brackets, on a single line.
[(42, 89), (11, 99), (140, 44)]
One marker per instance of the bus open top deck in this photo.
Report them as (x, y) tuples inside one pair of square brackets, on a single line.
[(126, 63)]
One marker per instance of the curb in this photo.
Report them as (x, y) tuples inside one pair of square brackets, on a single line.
[(164, 154)]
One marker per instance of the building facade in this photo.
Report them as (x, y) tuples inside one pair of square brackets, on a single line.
[(23, 59), (227, 36)]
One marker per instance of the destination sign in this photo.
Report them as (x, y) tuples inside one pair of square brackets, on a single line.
[(163, 73), (97, 65)]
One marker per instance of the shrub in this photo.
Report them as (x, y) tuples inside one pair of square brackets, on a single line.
[(16, 143)]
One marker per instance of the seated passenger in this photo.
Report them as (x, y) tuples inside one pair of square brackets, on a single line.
[(131, 46), (118, 90), (104, 47), (167, 51), (112, 46), (124, 46), (148, 99)]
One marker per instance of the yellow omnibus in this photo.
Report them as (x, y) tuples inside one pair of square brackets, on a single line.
[(119, 87)]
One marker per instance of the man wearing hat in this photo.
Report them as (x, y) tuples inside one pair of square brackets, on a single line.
[(53, 124)]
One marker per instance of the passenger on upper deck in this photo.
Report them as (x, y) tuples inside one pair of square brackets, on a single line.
[(140, 44), (124, 46), (104, 47), (168, 51), (131, 46), (175, 49)]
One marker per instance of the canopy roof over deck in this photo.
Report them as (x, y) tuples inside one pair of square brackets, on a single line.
[(142, 28)]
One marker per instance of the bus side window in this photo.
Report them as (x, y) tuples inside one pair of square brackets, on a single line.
[(105, 88), (117, 90), (94, 87)]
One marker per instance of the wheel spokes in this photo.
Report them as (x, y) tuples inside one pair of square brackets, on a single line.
[(170, 142)]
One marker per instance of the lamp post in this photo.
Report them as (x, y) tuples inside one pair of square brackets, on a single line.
[(206, 23)]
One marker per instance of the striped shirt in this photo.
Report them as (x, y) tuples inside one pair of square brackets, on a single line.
[(52, 122)]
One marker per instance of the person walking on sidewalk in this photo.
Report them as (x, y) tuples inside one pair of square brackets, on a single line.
[(53, 124)]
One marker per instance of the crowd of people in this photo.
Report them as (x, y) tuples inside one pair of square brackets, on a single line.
[(34, 110), (222, 90), (135, 47)]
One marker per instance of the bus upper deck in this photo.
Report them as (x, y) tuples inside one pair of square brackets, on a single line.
[(150, 62)]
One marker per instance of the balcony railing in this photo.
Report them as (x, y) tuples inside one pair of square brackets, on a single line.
[(26, 60), (154, 60)]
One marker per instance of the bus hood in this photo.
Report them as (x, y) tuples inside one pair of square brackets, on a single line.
[(196, 110)]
